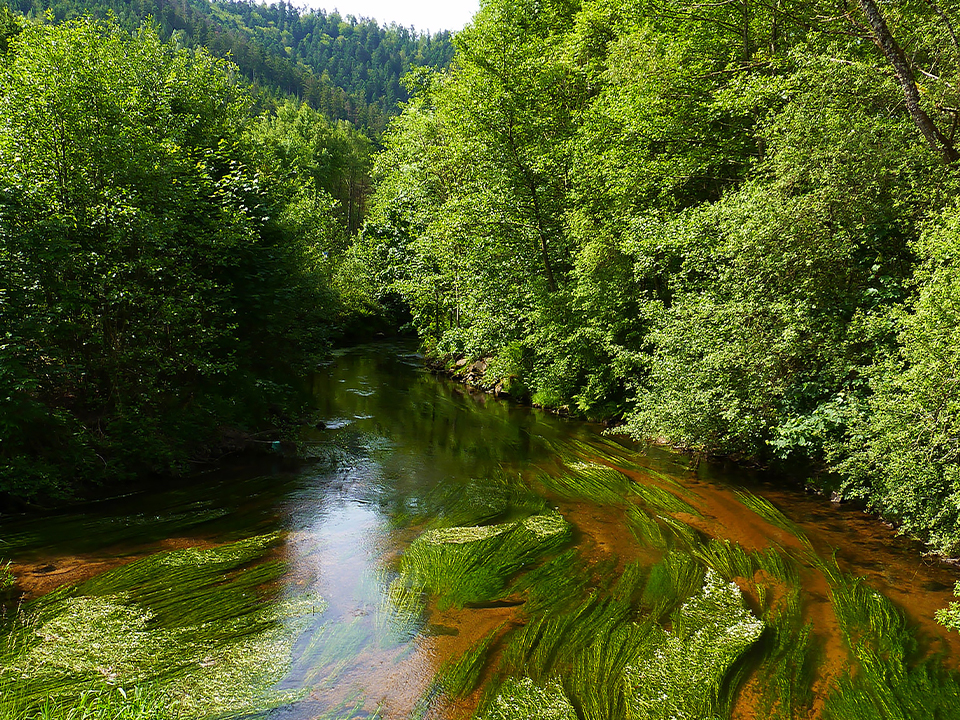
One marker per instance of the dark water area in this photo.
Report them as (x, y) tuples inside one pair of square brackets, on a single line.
[(377, 608)]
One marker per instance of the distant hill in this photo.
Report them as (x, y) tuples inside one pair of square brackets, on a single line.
[(348, 68)]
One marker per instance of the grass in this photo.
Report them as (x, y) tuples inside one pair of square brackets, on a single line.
[(204, 628), (473, 564), (894, 680), (331, 650)]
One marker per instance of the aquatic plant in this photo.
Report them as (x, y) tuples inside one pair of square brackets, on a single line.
[(588, 481), (548, 642), (558, 583), (7, 578), (473, 564), (894, 680), (656, 498), (676, 577), (454, 503), (786, 674), (595, 680), (109, 703), (521, 699), (682, 677), (461, 676), (731, 562), (203, 627), (648, 531), (400, 614), (769, 512), (349, 709), (330, 651)]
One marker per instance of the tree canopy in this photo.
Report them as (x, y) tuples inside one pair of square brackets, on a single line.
[(164, 270), (729, 226)]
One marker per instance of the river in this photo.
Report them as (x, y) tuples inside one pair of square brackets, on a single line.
[(432, 552)]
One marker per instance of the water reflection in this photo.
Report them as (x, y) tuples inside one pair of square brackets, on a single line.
[(400, 451)]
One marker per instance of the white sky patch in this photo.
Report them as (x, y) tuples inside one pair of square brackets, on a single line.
[(424, 15)]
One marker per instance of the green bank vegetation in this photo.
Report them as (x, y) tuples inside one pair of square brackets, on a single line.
[(731, 226), (167, 255)]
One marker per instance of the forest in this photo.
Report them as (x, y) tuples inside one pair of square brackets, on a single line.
[(348, 68), (166, 272), (727, 228)]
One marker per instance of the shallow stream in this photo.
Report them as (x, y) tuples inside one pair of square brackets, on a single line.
[(438, 553)]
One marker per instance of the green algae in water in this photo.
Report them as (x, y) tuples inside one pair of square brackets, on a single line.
[(213, 647), (461, 676), (893, 680), (521, 699), (463, 565), (589, 481), (681, 678)]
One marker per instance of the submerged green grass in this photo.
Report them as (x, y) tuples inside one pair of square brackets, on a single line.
[(681, 676), (894, 679), (462, 565), (204, 629)]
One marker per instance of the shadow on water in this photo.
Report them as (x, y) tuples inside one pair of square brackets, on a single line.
[(437, 553)]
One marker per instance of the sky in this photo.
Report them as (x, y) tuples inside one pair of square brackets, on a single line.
[(432, 15)]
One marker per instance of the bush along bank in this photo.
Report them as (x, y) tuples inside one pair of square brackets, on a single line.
[(729, 228), (165, 257)]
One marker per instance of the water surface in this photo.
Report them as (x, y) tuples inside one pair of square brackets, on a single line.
[(350, 617)]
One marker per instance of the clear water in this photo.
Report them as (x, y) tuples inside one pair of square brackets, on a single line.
[(399, 449)]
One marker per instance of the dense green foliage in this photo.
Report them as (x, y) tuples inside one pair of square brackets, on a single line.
[(725, 225), (345, 67), (164, 261)]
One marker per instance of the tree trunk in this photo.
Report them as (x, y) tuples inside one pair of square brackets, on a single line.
[(938, 142)]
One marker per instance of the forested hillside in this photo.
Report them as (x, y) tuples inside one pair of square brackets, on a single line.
[(166, 255), (733, 226), (345, 67)]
